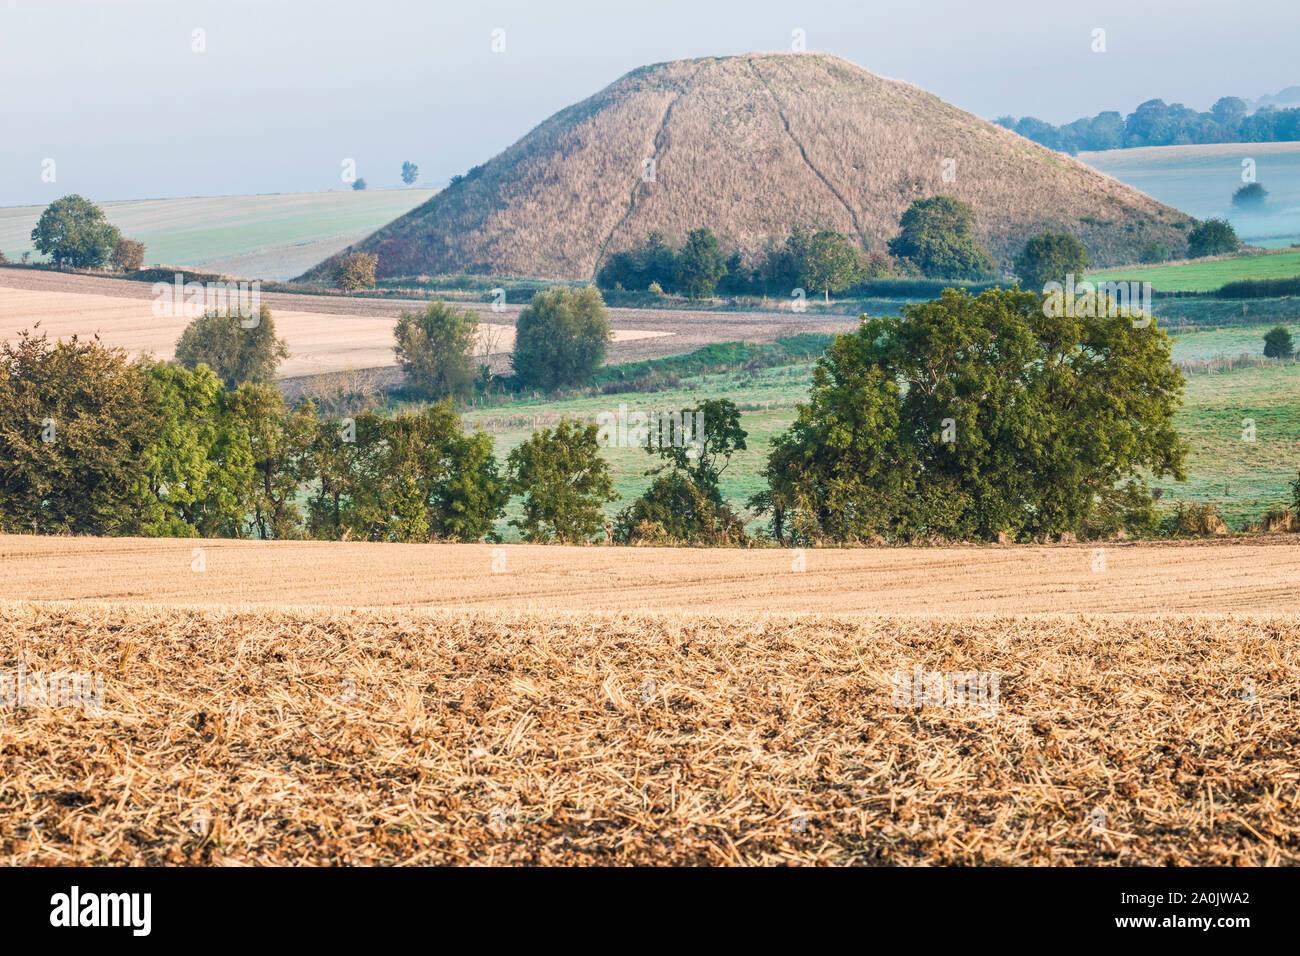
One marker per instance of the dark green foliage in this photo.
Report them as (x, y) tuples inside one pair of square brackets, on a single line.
[(1156, 123), (1251, 196), (1153, 253), (436, 350), (1278, 343), (239, 348), (1045, 415), (1050, 257), (1213, 237), (1258, 288), (72, 231), (938, 238), (92, 405), (635, 270), (280, 448), (684, 502), (564, 482), (700, 265), (410, 477), (560, 338)]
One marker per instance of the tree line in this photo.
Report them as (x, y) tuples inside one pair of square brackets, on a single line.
[(965, 418), (1157, 123)]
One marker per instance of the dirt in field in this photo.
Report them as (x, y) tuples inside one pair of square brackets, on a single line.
[(1250, 574), (638, 333), (229, 737)]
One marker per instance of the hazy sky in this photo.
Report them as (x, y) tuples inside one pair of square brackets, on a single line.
[(114, 93)]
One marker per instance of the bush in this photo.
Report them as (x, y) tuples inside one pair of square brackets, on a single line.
[(237, 348), (1278, 343), (560, 338), (436, 350), (1214, 237), (75, 420), (1193, 519), (128, 255), (564, 482), (355, 271), (1259, 288), (72, 231), (1050, 257), (938, 237)]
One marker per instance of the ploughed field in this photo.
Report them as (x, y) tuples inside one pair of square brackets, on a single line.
[(242, 736)]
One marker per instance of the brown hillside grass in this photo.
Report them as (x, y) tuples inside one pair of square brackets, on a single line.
[(301, 736), (752, 146)]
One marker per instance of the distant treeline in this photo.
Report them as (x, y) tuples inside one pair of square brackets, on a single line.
[(1157, 123)]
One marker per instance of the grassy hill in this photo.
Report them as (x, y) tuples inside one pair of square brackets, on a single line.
[(272, 236), (751, 146)]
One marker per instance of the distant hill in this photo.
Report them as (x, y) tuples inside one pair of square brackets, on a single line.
[(752, 146), (1288, 98)]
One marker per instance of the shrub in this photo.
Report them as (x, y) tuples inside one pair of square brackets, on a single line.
[(1213, 237), (1050, 257), (1250, 196), (938, 238), (355, 271), (560, 338), (436, 350), (128, 255), (237, 348), (1193, 519), (1278, 343)]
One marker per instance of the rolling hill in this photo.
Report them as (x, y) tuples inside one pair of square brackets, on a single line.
[(751, 146)]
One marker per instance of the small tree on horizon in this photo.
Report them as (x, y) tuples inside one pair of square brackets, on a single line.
[(410, 172), (358, 184), (72, 231), (831, 263), (1250, 196)]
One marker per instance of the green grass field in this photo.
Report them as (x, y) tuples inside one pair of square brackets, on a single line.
[(1207, 276), (276, 236)]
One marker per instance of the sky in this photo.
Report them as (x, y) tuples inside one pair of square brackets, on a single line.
[(130, 102)]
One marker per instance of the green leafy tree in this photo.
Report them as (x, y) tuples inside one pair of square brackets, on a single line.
[(280, 445), (564, 482), (700, 265), (1153, 253), (410, 477), (938, 237), (196, 477), (684, 502), (1050, 257), (358, 184), (410, 173), (239, 348), (1213, 237), (75, 420), (72, 231), (969, 416), (830, 263), (560, 338), (1278, 343), (435, 348)]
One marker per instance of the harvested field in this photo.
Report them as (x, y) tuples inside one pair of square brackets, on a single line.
[(1249, 574), (639, 333), (303, 736)]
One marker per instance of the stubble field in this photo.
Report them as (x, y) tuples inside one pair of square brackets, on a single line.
[(325, 736)]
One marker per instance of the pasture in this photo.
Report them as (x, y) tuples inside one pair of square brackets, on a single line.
[(275, 236), (1208, 274)]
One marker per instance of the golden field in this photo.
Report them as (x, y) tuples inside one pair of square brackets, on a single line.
[(1259, 574), (330, 736), (288, 704)]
